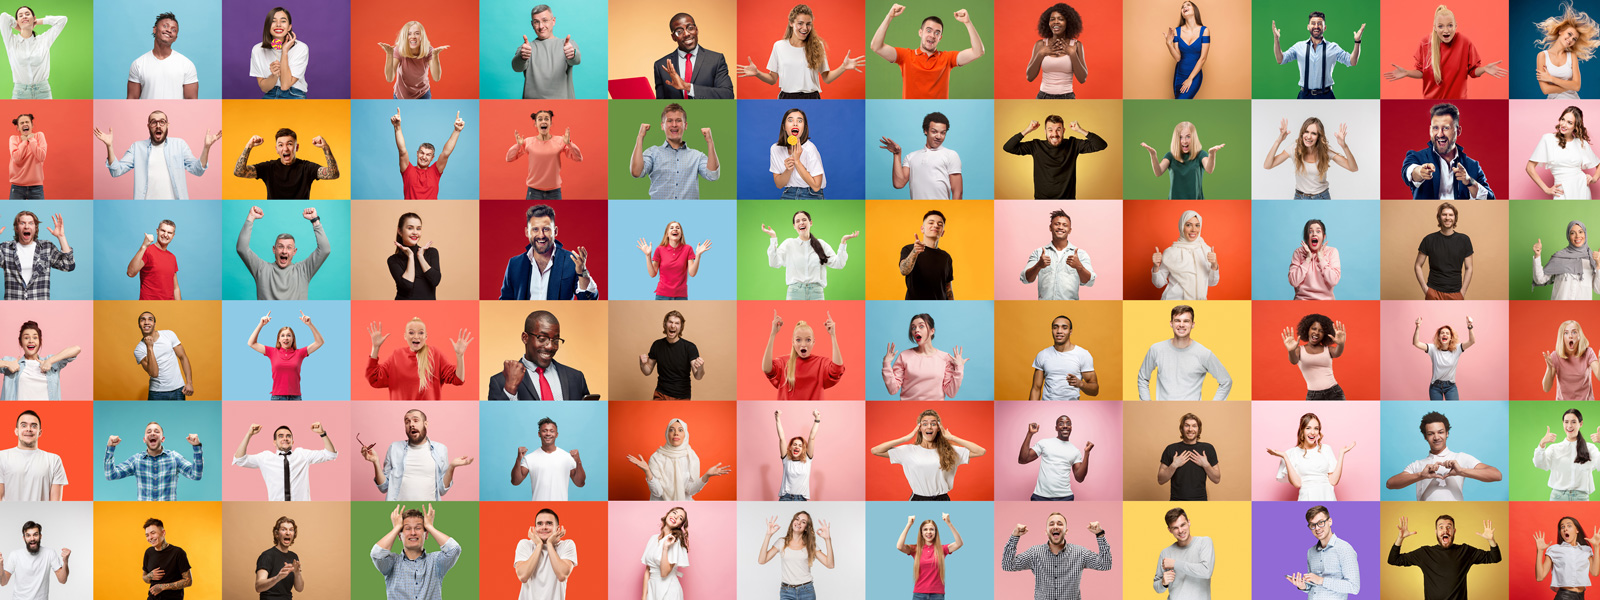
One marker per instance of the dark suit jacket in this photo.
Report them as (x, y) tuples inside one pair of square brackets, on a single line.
[(1429, 190), (710, 76), (573, 386), (563, 282)]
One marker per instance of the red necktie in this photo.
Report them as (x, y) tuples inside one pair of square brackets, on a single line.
[(544, 385), (688, 72)]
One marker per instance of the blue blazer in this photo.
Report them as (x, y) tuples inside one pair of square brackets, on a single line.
[(563, 277), (1429, 190)]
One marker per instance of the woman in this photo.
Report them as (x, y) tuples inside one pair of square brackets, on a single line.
[(410, 61), (1189, 44), (417, 371), (1444, 353), (796, 165), (927, 567), (675, 262), (802, 374), (1059, 55), (795, 555), (29, 53), (544, 152), (923, 372), (665, 556), (1571, 462), (798, 58), (1313, 149), (1571, 271), (805, 259), (28, 150), (414, 264), (1314, 266), (285, 357), (796, 455), (1569, 368), (279, 62), (1187, 268), (1452, 58), (1565, 41), (1316, 467), (34, 377), (1573, 559), (1566, 153), (1324, 341), (929, 456), (673, 472), (1187, 162)]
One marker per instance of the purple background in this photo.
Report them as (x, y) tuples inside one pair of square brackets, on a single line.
[(1281, 540), (324, 26)]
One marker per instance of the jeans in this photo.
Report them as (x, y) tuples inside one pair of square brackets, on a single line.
[(1322, 94), (804, 291), (1299, 195), (428, 95), (916, 498), (804, 591), (661, 297), (1333, 393), (30, 91), (535, 194), (1556, 495), (1443, 390), (916, 596), (799, 95), (176, 394), (281, 94), (277, 397), (1038, 498), (1066, 96), (791, 498), (800, 193), (27, 192)]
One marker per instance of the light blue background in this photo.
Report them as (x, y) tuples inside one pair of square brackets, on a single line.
[(969, 571), (971, 135), (121, 228), (125, 27), (506, 425), (701, 219), (1476, 428), (78, 221), (332, 281), (502, 23), (178, 419), (1275, 227), (836, 128), (965, 323), (376, 171), (247, 375)]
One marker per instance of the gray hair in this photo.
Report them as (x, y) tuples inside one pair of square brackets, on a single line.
[(282, 237), (539, 9)]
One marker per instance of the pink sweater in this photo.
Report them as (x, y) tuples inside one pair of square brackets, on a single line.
[(27, 160), (1314, 279), (915, 376)]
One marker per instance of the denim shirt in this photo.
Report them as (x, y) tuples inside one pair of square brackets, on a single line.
[(179, 159), (8, 388), (394, 466)]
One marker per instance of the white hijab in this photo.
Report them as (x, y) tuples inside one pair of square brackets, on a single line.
[(1186, 262), (669, 464)]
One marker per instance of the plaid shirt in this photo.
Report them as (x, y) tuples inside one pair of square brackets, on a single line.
[(1056, 576), (420, 579), (674, 172), (157, 475), (46, 256), (1336, 563)]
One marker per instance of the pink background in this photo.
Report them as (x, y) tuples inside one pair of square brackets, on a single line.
[(328, 481), (710, 573), (1273, 424), (838, 472), (1022, 226), (1096, 584), (1098, 422), (65, 323), (454, 424), (1407, 371), (128, 120), (1529, 120)]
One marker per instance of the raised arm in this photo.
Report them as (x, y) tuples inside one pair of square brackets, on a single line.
[(976, 50), (137, 263), (399, 138), (1345, 158), (766, 551), (1158, 164), (883, 50), (956, 542), (1026, 454), (1274, 157), (455, 133), (243, 168), (636, 164), (783, 446), (901, 544), (973, 450), (255, 336), (316, 336), (766, 357), (330, 170), (1471, 338)]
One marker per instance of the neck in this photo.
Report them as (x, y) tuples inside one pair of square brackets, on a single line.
[(161, 49), (1316, 41), (1447, 230), (1188, 22), (1450, 153), (157, 451), (1060, 244), (676, 143), (424, 442), (1191, 442), (1063, 346), (544, 135), (931, 242), (161, 545), (413, 554), (925, 346), (932, 146), (794, 40), (531, 360), (672, 338), (1054, 547), (1181, 342), (1442, 450), (550, 447), (31, 356), (282, 547), (1572, 437), (1063, 437), (21, 445), (29, 242), (927, 442), (1323, 542), (805, 236), (1183, 543)]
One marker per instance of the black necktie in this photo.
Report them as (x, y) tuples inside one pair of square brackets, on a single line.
[(286, 492)]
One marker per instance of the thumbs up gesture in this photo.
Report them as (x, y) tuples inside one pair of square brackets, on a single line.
[(1072, 261), (1549, 437), (525, 51), (1157, 257), (569, 48)]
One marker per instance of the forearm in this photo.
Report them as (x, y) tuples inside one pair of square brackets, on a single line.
[(711, 156), (137, 263), (766, 356), (242, 168), (439, 537), (244, 445), (975, 39), (907, 263), (838, 356), (636, 162), (387, 541), (331, 170)]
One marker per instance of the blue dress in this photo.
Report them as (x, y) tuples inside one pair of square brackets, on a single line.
[(1190, 54)]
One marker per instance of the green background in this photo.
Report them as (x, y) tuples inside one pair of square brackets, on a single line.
[(1534, 220), (71, 57), (1216, 121), (830, 219), (626, 115), (1272, 80), (975, 80), (369, 521), (1528, 420)]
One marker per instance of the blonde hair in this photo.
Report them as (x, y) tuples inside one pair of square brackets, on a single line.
[(424, 49), (1561, 342), (938, 552), (681, 237), (1194, 144), (1320, 148), (816, 58), (948, 458), (1586, 28), (424, 364), (794, 352), (1434, 41)]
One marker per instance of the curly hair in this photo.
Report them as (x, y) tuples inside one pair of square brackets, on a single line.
[(1320, 149), (1071, 30), (1588, 32), (948, 458), (1304, 329), (1579, 132)]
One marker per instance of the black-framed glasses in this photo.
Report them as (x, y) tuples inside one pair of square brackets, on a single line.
[(545, 340), (1318, 524)]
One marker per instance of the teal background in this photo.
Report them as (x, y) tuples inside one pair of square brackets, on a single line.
[(973, 81), (830, 220), (1476, 428), (369, 522), (1268, 79), (501, 25), (625, 117), (1215, 121), (178, 419), (1535, 220), (332, 281)]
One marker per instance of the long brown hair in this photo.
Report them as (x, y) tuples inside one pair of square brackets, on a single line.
[(666, 239), (1579, 132), (1300, 435), (682, 530), (1320, 148), (815, 57), (1197, 20), (806, 536), (938, 551), (947, 451)]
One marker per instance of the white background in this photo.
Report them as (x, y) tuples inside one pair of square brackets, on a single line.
[(847, 525), (1278, 184), (63, 525)]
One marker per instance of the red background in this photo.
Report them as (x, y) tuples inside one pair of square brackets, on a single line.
[(755, 324), (71, 154), (1518, 548), (586, 526), (1276, 379), (1534, 324), (444, 318), (841, 25), (578, 223), (638, 428), (69, 425), (1152, 224), (1406, 23), (1012, 49), (584, 180), (457, 27), (893, 420), (1483, 136)]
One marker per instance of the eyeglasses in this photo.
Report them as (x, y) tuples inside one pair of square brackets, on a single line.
[(544, 340), (1317, 524)]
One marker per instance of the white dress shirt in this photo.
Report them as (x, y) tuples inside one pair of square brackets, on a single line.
[(532, 377), (1447, 190), (539, 278), (1565, 474), (271, 465), (800, 262), (1057, 281)]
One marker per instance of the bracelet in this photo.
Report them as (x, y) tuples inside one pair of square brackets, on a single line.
[(324, 434), (816, 420)]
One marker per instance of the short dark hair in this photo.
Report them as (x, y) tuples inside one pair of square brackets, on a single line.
[(1069, 320), (1316, 14), (539, 316), (41, 421), (540, 210), (425, 146), (549, 420), (1434, 417), (935, 117), (935, 212), (1445, 108), (546, 510), (1312, 512), (153, 521), (1182, 308), (280, 428), (32, 525), (934, 19), (535, 114), (1055, 119), (286, 132), (20, 116), (926, 318), (1452, 521), (676, 17), (1305, 232), (164, 16), (1172, 515), (1058, 212)]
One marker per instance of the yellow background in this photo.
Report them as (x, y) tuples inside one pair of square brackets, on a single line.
[(452, 226), (116, 331), (1099, 174), (1488, 581), (322, 541), (119, 546), (1220, 325), (640, 35), (1226, 523), (1022, 329), (583, 326), (1406, 223), (968, 237), (308, 118)]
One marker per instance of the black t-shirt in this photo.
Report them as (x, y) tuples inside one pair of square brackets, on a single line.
[(1189, 481), (930, 275), (673, 374), (173, 562), (1055, 168), (272, 561), (288, 182), (1445, 254)]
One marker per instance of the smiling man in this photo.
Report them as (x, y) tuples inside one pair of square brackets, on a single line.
[(933, 171), (1332, 571), (165, 158), (1444, 258), (1316, 55), (1440, 475), (1060, 268), (925, 70), (156, 469), (286, 468), (415, 468), (548, 466), (28, 570), (1184, 569), (545, 270), (28, 473), (546, 62), (156, 266), (1181, 364), (1446, 564), (1443, 171), (674, 359), (690, 71), (160, 353), (163, 73), (289, 177), (1189, 463), (421, 181), (550, 380), (166, 567), (1057, 566), (26, 260), (1062, 461), (283, 279)]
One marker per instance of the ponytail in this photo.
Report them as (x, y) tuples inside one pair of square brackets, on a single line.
[(816, 246)]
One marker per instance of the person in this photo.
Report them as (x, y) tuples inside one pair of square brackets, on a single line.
[(1055, 158), (278, 572), (1057, 565), (163, 73), (1332, 569), (1189, 462), (549, 466), (167, 158), (289, 177), (544, 152), (421, 180), (1571, 365), (665, 556), (1324, 340), (796, 167), (1566, 153), (1573, 38), (922, 372), (689, 59), (1442, 472), (925, 70), (414, 266), (28, 473), (279, 62), (28, 51), (674, 168), (1444, 60), (1059, 282), (933, 171), (545, 269), (1448, 257), (28, 151), (929, 455), (285, 356), (414, 573), (1572, 558), (802, 374), (1425, 170), (156, 470), (1064, 371), (1062, 462), (1571, 462), (1314, 265), (674, 260), (410, 61), (798, 64), (796, 554), (161, 354), (1445, 565), (547, 76), (35, 375), (1444, 354), (930, 277), (1189, 267), (673, 471), (1181, 364), (156, 266), (166, 567), (286, 468), (796, 454), (1186, 160), (416, 371), (283, 279), (26, 260), (544, 561), (805, 259), (1313, 148), (541, 340), (1311, 465), (1316, 56), (1058, 55), (676, 358), (31, 566), (1190, 45), (425, 476), (928, 563), (1184, 568)]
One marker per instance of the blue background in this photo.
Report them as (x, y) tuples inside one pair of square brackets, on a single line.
[(247, 375), (837, 126), (1521, 63), (178, 419), (969, 572), (1281, 539), (501, 25), (1476, 428), (701, 219), (965, 323), (122, 225), (332, 281), (506, 425), (1275, 233), (971, 136), (78, 221), (126, 27), (376, 166)]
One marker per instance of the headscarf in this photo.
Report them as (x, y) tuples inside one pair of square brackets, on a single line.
[(1571, 260), (669, 463), (1185, 259)]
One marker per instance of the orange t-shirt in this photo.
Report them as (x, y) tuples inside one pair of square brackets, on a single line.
[(924, 77)]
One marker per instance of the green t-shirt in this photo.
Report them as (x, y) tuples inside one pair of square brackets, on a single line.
[(1186, 177)]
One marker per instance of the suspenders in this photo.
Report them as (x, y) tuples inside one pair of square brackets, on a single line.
[(1322, 74)]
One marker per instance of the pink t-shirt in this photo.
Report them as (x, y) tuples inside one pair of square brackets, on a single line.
[(1572, 377), (410, 76), (1317, 368), (928, 581), (421, 184), (286, 370), (544, 160), (673, 279)]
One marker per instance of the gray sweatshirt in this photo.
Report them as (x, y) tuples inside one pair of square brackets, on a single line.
[(1193, 564), (1179, 373), (547, 74), (292, 283)]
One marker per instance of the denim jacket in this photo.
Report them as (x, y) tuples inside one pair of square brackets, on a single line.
[(394, 466), (8, 388), (179, 159)]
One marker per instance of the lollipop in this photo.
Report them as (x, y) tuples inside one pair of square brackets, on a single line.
[(794, 139), (277, 44)]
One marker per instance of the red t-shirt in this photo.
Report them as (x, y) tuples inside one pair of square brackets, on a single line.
[(924, 77), (286, 370), (421, 184), (1459, 62), (158, 279), (673, 275), (928, 581), (811, 376)]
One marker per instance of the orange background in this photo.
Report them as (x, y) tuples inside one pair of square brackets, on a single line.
[(893, 420), (637, 325), (583, 325), (499, 179), (1534, 325), (755, 324), (309, 119), (119, 545), (1102, 48), (586, 526), (1022, 329), (1152, 224), (1406, 24), (450, 225), (373, 22), (322, 541), (639, 428), (1147, 65), (840, 24), (1406, 223), (444, 319), (1147, 428), (640, 35), (116, 332), (69, 425), (71, 154), (1276, 379), (968, 237)]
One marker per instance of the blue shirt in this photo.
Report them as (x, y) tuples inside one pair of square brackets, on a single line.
[(178, 157), (1316, 64), (1336, 563), (673, 171), (157, 475), (8, 388), (420, 579), (394, 467)]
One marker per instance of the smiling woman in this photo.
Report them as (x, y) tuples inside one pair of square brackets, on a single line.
[(416, 371), (279, 62)]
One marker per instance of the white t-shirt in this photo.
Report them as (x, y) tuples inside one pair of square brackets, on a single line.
[(166, 361), (162, 79), (922, 468), (261, 60), (158, 181), (25, 254), (796, 477), (790, 64), (1055, 467), (548, 473), (31, 573), (420, 473), (1056, 367), (28, 474), (31, 384), (542, 584), (931, 171), (1444, 363), (809, 157), (1448, 488)]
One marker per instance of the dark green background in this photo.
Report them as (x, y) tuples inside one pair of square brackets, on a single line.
[(1268, 79)]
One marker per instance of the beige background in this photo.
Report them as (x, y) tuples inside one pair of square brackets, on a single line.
[(322, 543), (635, 325), (1147, 428), (1406, 222), (452, 226), (583, 326)]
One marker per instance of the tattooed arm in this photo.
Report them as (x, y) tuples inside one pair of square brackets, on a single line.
[(331, 171), (243, 168)]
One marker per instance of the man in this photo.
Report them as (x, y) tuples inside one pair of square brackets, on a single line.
[(166, 567), (1443, 170), (1316, 57), (160, 353), (550, 466), (545, 270), (1062, 462), (1061, 371), (156, 469), (31, 566), (544, 152), (1441, 474), (27, 473), (27, 261), (546, 63), (286, 469), (1059, 281), (541, 340), (1446, 564), (1331, 569), (163, 73), (925, 71), (156, 266), (1189, 463), (416, 468), (705, 73), (673, 167), (1184, 569), (1181, 364), (289, 177), (545, 560), (677, 358), (1444, 259), (283, 279), (933, 170), (278, 574), (928, 277), (414, 574), (421, 181), (166, 158), (1055, 158), (1057, 566)]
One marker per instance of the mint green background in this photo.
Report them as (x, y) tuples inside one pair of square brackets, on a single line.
[(369, 521), (975, 80), (625, 117), (1533, 220), (1216, 122), (71, 57), (830, 220), (1528, 420), (1268, 79)]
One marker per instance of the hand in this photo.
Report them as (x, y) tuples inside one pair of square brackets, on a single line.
[(288, 42), (525, 51), (1168, 564), (956, 360), (1087, 446), (1538, 541), (316, 427), (1488, 531), (567, 47), (1338, 332), (945, 517), (788, 163), (297, 568), (555, 538), (193, 439), (1094, 526), (1343, 129), (896, 10), (319, 142), (669, 540), (1290, 340), (103, 136), (366, 452), (65, 552), (706, 132), (749, 70), (1460, 174), (829, 324), (1283, 128), (427, 518), (303, 318), (1397, 74), (1423, 173), (461, 461), (1275, 453), (1184, 89), (1298, 580), (1347, 448), (1214, 149), (962, 16), (388, 49), (909, 518), (823, 530), (888, 144), (1033, 428), (850, 236), (212, 138), (395, 120), (851, 63), (772, 526), (702, 248), (672, 79), (777, 322), (643, 128), (157, 574), (1494, 70), (375, 331), (888, 354), (463, 339), (60, 228), (643, 246), (1538, 246), (580, 257), (698, 364), (638, 461), (275, 66), (1171, 33), (566, 137), (1211, 257), (1157, 257), (310, 214), (1073, 125), (288, 568), (718, 469), (266, 319), (1168, 576), (1044, 260), (1019, 531), (1469, 323), (917, 246), (1276, 34), (1147, 148), (460, 124), (771, 233), (1549, 360), (1358, 32)]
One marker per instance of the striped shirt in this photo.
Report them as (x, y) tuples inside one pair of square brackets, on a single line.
[(674, 172), (420, 579), (1336, 563), (1056, 575), (157, 475)]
